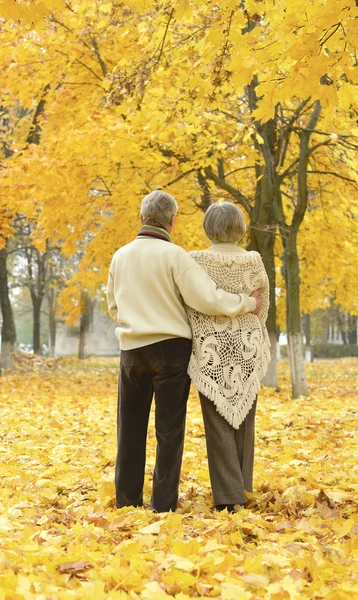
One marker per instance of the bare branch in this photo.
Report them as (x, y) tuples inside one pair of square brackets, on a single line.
[(240, 169), (326, 133), (180, 177), (61, 24), (81, 83), (326, 143), (224, 185), (98, 54), (328, 35), (284, 138), (334, 175), (304, 153), (161, 48), (109, 193), (289, 170)]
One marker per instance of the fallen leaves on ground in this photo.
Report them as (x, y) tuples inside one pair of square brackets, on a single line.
[(26, 361), (61, 536)]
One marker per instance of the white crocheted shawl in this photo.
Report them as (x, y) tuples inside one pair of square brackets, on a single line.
[(230, 355)]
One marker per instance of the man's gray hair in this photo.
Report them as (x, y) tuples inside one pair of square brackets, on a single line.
[(224, 222), (158, 208)]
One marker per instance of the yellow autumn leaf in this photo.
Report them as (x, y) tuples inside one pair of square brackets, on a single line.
[(230, 591), (153, 528), (255, 579)]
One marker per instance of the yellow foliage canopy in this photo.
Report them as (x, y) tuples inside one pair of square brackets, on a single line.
[(126, 97)]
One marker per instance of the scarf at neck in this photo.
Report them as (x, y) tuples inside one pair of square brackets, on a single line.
[(155, 232)]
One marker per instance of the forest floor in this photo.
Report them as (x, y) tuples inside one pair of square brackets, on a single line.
[(61, 536)]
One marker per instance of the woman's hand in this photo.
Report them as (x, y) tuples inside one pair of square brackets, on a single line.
[(257, 295)]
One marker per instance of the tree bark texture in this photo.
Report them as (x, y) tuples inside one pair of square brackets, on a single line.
[(307, 331), (262, 239), (52, 322), (8, 330), (352, 329), (293, 317), (37, 285), (36, 332), (85, 322)]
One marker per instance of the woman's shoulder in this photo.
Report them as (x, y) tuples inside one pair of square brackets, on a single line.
[(253, 254), (213, 254)]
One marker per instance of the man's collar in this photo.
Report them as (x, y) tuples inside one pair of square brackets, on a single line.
[(156, 232)]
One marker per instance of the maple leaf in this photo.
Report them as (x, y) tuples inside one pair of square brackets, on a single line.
[(75, 567)]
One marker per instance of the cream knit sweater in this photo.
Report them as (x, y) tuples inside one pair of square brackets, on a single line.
[(150, 281), (231, 355)]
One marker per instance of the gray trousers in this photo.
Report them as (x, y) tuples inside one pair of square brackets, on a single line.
[(230, 454)]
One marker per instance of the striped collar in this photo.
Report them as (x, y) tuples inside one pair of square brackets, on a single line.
[(155, 232)]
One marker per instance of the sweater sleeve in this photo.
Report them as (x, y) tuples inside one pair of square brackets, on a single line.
[(111, 301), (202, 294)]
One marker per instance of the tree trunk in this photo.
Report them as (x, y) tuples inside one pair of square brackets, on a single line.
[(85, 322), (206, 199), (343, 326), (8, 330), (262, 239), (51, 299), (267, 253), (291, 263), (36, 331), (307, 331), (352, 329), (293, 316)]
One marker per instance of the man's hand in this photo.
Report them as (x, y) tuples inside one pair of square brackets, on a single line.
[(257, 295)]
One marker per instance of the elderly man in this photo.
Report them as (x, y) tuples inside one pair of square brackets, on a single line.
[(150, 282)]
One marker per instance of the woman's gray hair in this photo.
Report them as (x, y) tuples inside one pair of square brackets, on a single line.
[(158, 208), (224, 222)]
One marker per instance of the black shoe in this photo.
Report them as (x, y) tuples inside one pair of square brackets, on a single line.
[(229, 507)]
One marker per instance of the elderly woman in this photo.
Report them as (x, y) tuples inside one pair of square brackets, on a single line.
[(230, 356)]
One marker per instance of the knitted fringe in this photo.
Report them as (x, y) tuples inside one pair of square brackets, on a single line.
[(234, 415)]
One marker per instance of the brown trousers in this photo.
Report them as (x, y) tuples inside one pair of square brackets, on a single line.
[(230, 454), (161, 369)]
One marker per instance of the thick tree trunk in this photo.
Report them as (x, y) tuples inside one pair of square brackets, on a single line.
[(267, 253), (85, 322), (293, 317), (297, 365), (307, 329), (206, 198), (270, 379), (8, 330), (262, 239), (6, 358)]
